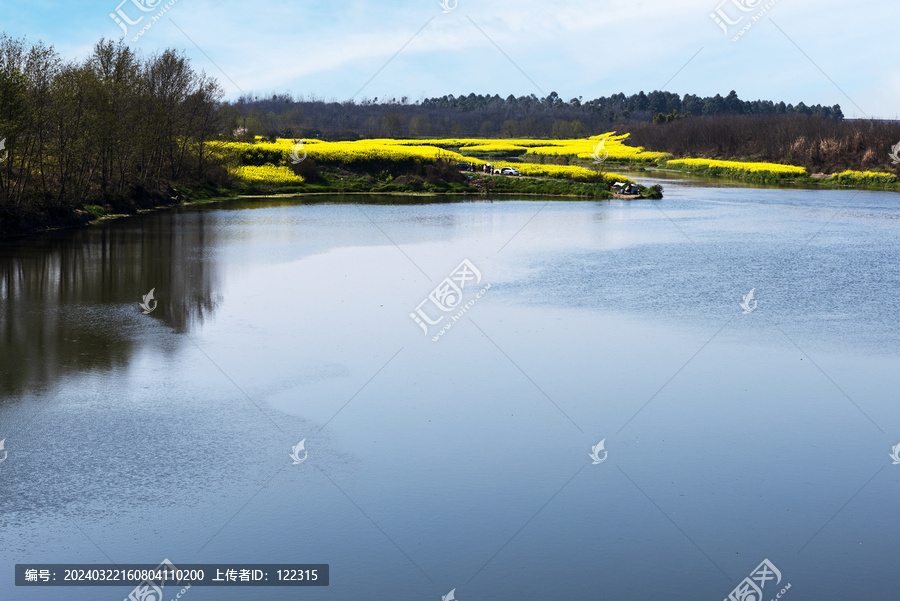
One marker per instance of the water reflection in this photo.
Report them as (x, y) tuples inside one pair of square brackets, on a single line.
[(144, 445), (69, 300)]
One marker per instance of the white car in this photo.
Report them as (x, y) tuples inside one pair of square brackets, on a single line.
[(508, 171)]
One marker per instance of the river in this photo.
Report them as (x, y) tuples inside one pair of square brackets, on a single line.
[(734, 428)]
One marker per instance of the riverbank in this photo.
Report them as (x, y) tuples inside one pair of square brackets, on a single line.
[(784, 175), (584, 168), (24, 223), (435, 180), (593, 159), (328, 182)]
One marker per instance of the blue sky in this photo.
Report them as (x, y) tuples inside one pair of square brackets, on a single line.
[(815, 51)]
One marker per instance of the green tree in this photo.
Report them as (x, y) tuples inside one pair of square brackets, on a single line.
[(391, 124), (420, 125)]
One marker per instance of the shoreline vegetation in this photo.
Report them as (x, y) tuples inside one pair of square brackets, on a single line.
[(786, 175), (267, 168), (118, 134), (438, 166)]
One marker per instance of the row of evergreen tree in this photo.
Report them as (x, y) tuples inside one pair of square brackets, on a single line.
[(641, 105), (489, 116)]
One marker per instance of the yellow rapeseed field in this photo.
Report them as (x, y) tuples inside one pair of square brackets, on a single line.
[(869, 177), (496, 146), (738, 167), (462, 142), (349, 152), (267, 162), (605, 146), (431, 149), (559, 171), (386, 151), (267, 173), (602, 147)]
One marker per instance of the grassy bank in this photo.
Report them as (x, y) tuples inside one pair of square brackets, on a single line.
[(23, 223), (401, 157), (440, 181), (774, 173), (576, 168), (555, 168), (404, 167)]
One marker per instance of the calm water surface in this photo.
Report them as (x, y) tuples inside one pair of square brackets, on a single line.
[(729, 437)]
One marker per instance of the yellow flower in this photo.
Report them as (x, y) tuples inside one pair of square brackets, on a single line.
[(268, 173), (738, 167), (392, 151), (870, 177)]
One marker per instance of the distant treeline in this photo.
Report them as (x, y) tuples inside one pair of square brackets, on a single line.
[(474, 115), (820, 145), (111, 129)]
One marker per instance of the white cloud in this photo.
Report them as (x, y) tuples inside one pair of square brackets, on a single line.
[(576, 47)]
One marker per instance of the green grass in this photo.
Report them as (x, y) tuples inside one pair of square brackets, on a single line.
[(474, 185), (543, 187), (95, 210)]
